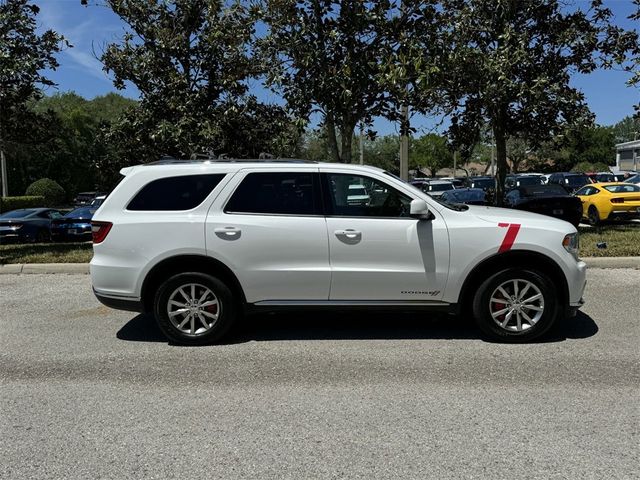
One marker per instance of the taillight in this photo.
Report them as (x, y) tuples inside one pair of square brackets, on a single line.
[(99, 231), (617, 200)]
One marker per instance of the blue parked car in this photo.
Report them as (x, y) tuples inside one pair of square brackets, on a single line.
[(468, 196), (75, 225), (27, 225)]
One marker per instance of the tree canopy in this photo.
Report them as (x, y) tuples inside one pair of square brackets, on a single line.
[(508, 64)]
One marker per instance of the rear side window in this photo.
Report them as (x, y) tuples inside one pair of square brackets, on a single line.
[(281, 193), (175, 193)]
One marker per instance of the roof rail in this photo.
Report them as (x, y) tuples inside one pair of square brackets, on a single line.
[(177, 161)]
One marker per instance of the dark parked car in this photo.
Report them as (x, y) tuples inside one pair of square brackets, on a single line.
[(570, 181), (468, 196), (483, 182), (75, 225), (552, 200), (27, 225), (522, 180), (85, 198)]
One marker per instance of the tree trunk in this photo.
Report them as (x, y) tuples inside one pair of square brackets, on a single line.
[(347, 138), (501, 157), (331, 138)]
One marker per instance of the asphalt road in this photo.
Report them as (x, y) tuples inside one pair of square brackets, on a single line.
[(87, 392)]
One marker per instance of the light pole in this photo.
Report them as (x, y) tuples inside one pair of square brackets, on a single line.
[(404, 144)]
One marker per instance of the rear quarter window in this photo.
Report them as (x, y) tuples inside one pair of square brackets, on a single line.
[(175, 193)]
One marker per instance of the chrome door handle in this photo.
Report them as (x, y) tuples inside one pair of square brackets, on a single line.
[(228, 233), (349, 235)]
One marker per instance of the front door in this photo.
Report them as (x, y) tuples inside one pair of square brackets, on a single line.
[(377, 251)]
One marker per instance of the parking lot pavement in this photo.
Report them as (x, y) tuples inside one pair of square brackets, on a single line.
[(87, 392)]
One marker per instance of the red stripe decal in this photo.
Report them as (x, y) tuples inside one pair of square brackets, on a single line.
[(510, 237)]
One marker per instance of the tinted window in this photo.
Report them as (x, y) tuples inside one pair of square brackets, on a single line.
[(622, 188), (380, 199), (284, 193), (440, 187), (175, 193)]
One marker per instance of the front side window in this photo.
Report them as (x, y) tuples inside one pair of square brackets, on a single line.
[(175, 193), (360, 196), (281, 193)]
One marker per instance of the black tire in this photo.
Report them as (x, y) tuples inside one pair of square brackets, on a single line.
[(594, 216), (482, 302), (226, 309)]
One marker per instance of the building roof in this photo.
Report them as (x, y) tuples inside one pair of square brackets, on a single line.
[(628, 145)]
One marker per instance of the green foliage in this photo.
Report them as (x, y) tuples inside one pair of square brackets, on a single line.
[(24, 54), (193, 82), (53, 193), (329, 59), (587, 167), (626, 130), (509, 63), (383, 152), (66, 142), (430, 151), (12, 203)]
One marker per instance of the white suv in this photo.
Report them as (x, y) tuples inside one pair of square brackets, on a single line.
[(201, 243)]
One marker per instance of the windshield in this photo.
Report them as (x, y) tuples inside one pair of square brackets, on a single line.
[(465, 196), (633, 179), (526, 181), (576, 180), (440, 187), (357, 190), (483, 183), (18, 213), (82, 212)]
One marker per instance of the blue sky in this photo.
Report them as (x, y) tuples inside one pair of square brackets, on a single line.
[(89, 29)]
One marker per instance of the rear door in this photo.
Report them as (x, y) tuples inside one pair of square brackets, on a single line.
[(268, 227), (377, 251)]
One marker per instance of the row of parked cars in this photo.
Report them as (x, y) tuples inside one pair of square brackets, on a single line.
[(570, 196), (50, 224)]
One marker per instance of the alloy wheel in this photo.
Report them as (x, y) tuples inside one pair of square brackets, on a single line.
[(516, 305), (193, 309)]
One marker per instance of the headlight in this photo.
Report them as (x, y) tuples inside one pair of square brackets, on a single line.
[(571, 244)]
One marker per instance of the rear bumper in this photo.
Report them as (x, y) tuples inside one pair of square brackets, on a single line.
[(623, 215), (128, 304)]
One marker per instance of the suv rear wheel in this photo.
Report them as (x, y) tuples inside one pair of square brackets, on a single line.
[(516, 305), (194, 308)]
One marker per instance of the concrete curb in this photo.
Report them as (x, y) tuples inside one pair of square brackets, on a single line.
[(612, 262), (83, 268), (69, 268)]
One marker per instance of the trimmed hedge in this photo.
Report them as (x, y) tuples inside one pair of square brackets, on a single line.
[(27, 201), (51, 190)]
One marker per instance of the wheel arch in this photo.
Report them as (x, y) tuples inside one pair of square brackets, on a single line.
[(514, 258), (187, 263)]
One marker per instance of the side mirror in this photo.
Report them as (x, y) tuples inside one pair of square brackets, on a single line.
[(419, 209)]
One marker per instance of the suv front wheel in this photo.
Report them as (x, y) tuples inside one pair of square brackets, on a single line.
[(516, 305), (194, 308)]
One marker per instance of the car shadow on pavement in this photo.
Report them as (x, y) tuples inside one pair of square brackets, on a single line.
[(355, 326)]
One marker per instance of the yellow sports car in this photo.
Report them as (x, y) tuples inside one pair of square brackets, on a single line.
[(609, 201)]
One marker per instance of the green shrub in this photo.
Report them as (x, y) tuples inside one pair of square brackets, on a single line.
[(53, 193), (13, 203), (584, 167)]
